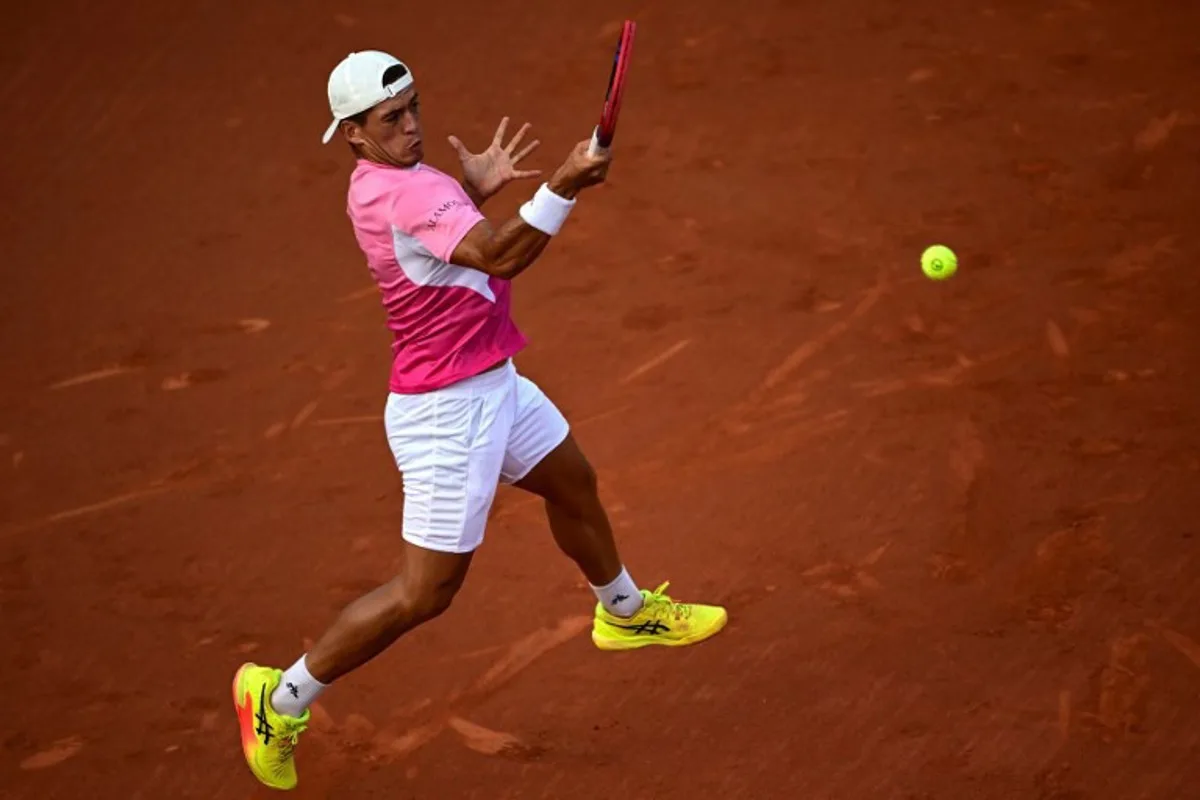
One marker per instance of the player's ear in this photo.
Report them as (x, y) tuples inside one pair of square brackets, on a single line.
[(353, 132)]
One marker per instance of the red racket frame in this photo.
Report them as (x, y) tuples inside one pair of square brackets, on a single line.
[(602, 137)]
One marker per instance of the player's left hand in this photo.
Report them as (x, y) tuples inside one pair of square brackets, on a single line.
[(490, 171)]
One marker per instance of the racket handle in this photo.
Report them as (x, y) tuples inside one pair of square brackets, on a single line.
[(594, 149)]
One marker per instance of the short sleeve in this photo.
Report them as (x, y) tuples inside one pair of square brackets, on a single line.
[(434, 210)]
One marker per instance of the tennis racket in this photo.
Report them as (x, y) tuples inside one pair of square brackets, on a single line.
[(602, 137)]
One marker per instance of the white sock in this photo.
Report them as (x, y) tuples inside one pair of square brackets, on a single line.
[(296, 691), (620, 598)]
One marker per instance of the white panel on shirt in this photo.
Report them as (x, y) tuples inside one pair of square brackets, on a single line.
[(425, 269)]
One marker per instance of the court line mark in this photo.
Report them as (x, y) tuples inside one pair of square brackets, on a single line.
[(657, 361), (93, 376)]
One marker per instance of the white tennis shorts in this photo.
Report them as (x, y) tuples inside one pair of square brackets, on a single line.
[(453, 446)]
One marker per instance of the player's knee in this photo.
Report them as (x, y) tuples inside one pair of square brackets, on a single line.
[(418, 602), (434, 602), (584, 479), (576, 489)]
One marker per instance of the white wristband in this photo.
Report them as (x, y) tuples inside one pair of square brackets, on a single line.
[(546, 211)]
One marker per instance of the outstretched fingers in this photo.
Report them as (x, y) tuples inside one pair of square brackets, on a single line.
[(516, 140), (498, 139), (526, 150), (460, 148)]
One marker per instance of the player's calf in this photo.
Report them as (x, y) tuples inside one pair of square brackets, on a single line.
[(567, 482)]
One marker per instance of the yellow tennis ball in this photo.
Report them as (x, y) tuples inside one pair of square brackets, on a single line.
[(939, 262)]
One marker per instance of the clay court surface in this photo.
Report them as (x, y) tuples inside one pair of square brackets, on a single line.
[(954, 523)]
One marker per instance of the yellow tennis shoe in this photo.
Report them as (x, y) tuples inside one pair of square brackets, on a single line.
[(268, 739), (660, 621)]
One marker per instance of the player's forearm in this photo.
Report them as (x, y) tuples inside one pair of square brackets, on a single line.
[(513, 247), (507, 251)]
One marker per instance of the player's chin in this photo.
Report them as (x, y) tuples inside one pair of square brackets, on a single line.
[(412, 153)]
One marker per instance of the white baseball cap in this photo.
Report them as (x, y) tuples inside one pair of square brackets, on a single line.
[(356, 84)]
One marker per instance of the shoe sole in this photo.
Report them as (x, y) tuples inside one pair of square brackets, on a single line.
[(605, 643)]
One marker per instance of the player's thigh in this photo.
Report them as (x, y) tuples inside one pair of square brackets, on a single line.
[(538, 429), (450, 447)]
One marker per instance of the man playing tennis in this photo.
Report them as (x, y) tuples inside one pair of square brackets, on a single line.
[(459, 418)]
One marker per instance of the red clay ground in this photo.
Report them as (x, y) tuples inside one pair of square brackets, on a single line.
[(951, 521)]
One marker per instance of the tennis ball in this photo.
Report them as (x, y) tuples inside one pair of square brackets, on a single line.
[(939, 262)]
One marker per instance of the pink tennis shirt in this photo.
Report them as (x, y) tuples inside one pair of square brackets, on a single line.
[(448, 322)]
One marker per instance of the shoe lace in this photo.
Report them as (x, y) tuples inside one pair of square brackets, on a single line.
[(289, 735), (659, 605)]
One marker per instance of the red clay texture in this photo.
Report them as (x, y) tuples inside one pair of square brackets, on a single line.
[(950, 520)]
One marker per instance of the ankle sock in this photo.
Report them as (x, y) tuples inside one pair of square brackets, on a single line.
[(296, 691), (621, 598)]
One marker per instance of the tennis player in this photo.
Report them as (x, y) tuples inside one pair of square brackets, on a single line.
[(459, 417)]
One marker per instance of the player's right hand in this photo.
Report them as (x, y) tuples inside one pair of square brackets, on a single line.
[(580, 170)]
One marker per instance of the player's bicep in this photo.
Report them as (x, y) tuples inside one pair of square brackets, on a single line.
[(473, 249)]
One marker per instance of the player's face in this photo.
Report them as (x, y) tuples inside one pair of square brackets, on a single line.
[(392, 132)]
